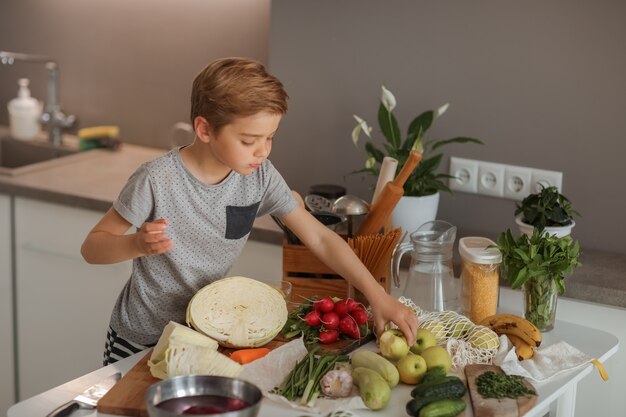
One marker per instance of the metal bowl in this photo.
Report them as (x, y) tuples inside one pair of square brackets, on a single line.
[(205, 395)]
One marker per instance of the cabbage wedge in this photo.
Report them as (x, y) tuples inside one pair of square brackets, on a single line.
[(175, 334), (238, 312)]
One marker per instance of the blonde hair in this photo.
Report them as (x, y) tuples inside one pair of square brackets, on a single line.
[(229, 88)]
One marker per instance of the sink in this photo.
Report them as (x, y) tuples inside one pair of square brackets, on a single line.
[(18, 157)]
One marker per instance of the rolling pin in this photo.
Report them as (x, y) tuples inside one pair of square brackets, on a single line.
[(388, 198), (387, 172)]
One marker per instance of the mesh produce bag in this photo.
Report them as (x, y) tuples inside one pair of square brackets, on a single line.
[(466, 342)]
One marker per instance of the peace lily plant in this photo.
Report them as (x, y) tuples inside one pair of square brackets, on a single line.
[(424, 180)]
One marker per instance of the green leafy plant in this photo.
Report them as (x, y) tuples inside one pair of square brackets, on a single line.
[(541, 262), (547, 208), (524, 257), (424, 180)]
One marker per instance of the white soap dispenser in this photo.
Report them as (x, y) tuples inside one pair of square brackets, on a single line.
[(24, 113)]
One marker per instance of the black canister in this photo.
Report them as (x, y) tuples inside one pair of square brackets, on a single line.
[(329, 191)]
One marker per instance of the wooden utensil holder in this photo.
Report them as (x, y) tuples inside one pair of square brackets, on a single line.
[(310, 277)]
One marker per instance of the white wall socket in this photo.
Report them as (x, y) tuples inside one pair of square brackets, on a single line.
[(542, 178), (465, 172), (517, 182), (491, 179), (499, 180)]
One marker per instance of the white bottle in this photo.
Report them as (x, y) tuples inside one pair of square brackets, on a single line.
[(24, 113)]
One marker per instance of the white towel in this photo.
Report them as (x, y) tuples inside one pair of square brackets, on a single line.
[(546, 363)]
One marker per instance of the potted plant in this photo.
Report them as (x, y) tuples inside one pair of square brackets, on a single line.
[(421, 190), (539, 264), (547, 210)]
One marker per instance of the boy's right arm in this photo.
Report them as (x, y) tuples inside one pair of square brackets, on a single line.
[(107, 242)]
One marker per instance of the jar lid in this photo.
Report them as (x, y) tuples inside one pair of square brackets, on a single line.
[(329, 191), (476, 249)]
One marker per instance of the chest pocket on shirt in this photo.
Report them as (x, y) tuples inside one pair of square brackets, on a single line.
[(239, 220)]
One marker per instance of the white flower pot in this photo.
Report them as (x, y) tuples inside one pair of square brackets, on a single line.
[(412, 212), (558, 231)]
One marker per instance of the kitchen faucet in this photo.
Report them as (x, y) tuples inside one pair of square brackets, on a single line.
[(54, 119)]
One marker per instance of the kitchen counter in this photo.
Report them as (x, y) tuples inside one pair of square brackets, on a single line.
[(557, 394), (94, 180)]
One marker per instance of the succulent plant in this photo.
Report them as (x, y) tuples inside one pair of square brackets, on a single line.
[(546, 209)]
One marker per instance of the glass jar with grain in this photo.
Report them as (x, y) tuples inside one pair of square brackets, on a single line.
[(480, 265)]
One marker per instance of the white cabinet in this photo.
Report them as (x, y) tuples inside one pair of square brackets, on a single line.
[(63, 303), (7, 375)]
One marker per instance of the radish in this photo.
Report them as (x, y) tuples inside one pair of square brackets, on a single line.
[(359, 315), (328, 336), (330, 320), (349, 327), (313, 318), (342, 307), (325, 305), (352, 304)]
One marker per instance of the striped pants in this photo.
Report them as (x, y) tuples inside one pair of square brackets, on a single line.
[(116, 348)]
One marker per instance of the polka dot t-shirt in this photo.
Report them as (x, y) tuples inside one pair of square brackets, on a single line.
[(208, 224)]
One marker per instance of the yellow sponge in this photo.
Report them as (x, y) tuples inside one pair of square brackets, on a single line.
[(99, 132)]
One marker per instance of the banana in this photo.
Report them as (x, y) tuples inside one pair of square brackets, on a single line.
[(522, 349), (515, 325)]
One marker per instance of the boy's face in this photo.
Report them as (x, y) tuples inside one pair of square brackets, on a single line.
[(245, 143)]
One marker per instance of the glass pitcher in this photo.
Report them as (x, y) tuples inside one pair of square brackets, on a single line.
[(430, 283)]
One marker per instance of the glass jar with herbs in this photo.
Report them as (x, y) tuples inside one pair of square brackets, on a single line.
[(539, 264)]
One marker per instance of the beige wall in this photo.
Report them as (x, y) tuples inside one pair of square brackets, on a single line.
[(542, 83), (128, 63)]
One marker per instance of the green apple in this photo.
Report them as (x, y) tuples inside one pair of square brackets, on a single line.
[(393, 345), (424, 339), (447, 315), (437, 356), (482, 337), (459, 330), (412, 369), (436, 327)]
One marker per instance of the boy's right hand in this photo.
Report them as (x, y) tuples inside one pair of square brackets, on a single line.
[(151, 238)]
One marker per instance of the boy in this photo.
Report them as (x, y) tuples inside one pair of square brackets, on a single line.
[(194, 208)]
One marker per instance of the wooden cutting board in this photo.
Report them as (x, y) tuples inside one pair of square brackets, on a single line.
[(492, 407), (126, 398)]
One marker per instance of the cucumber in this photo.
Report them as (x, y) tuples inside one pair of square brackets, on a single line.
[(414, 406), (449, 387), (443, 408), (434, 374)]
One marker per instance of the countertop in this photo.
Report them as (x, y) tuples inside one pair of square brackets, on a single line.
[(93, 180), (558, 392)]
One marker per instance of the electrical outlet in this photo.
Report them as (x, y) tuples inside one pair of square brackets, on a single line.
[(517, 181), (499, 180), (542, 178), (465, 173), (491, 179)]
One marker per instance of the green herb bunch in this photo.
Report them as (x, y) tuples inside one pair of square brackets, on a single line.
[(541, 255), (547, 208), (424, 180)]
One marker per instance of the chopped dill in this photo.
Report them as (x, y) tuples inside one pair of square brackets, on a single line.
[(498, 385)]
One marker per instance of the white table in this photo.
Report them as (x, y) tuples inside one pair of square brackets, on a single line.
[(558, 397)]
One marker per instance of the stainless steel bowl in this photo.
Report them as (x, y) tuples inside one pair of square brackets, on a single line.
[(171, 397)]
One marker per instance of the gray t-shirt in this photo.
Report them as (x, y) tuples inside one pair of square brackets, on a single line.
[(208, 224)]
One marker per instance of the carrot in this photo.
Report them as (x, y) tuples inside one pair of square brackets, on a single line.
[(244, 356)]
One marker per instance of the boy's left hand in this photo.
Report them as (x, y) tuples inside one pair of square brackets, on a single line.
[(388, 309)]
